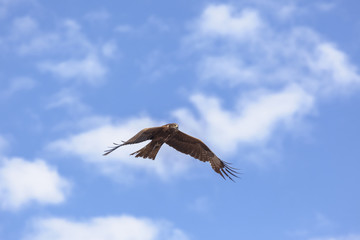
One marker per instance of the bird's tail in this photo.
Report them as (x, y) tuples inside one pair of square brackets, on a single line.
[(149, 151)]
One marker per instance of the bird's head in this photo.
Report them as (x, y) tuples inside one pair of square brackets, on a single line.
[(172, 125)]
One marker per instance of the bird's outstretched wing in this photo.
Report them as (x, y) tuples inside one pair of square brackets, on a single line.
[(196, 148), (143, 135)]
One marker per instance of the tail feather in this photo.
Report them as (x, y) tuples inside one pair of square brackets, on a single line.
[(149, 151)]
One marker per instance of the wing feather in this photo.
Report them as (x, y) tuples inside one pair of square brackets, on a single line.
[(196, 148), (143, 135)]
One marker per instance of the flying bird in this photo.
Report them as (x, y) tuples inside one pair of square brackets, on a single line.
[(172, 136)]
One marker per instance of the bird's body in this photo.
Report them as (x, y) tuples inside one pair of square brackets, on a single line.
[(172, 136)]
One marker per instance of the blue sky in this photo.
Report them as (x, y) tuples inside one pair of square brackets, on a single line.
[(270, 86)]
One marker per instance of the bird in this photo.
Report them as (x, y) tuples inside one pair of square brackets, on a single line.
[(182, 142)]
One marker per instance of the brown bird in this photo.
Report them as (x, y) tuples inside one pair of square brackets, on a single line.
[(172, 136)]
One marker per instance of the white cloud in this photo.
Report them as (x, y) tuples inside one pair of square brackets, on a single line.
[(110, 228), (22, 182), (66, 52), (268, 57), (90, 144), (253, 121), (239, 25), (89, 69), (250, 51), (331, 63), (297, 62)]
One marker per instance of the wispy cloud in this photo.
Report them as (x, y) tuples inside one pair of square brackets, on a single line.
[(253, 120), (23, 182), (156, 23), (109, 49), (4, 4), (122, 227), (319, 223), (239, 24), (90, 144), (66, 51), (24, 26), (66, 39), (98, 15), (69, 99), (323, 221), (286, 11), (124, 28), (153, 24), (333, 69), (269, 57), (3, 144), (200, 205), (288, 69), (325, 5), (18, 85), (156, 65), (286, 73), (227, 69), (7, 5), (88, 70)]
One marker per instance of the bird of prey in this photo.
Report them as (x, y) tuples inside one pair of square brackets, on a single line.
[(172, 136)]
